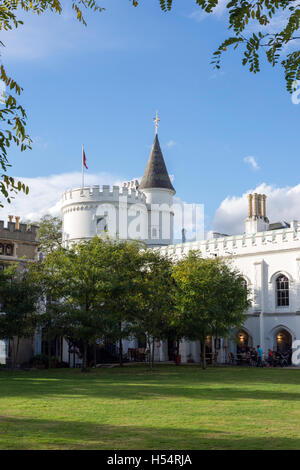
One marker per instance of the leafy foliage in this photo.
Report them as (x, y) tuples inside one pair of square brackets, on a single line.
[(18, 300), (155, 299), (50, 233), (46, 277), (210, 297)]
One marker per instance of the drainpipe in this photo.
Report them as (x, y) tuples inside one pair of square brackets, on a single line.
[(261, 326)]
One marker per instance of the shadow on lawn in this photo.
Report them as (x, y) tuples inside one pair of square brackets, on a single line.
[(47, 434), (127, 385)]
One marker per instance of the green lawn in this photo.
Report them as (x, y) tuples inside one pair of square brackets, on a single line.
[(169, 408)]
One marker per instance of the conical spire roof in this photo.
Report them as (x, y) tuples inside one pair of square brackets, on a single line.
[(156, 175)]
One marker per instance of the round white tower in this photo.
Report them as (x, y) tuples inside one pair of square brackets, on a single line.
[(134, 212), (115, 212)]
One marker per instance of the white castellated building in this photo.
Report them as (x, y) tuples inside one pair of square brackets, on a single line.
[(134, 211), (267, 255)]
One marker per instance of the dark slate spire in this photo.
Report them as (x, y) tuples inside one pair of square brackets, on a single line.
[(156, 175)]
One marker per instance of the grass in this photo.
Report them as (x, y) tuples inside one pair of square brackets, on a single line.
[(169, 408)]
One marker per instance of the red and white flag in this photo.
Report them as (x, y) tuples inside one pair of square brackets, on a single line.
[(84, 158)]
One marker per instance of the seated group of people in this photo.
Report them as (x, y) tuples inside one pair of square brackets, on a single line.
[(249, 355), (279, 358), (254, 356)]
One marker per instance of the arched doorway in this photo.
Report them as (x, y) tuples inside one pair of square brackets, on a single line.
[(244, 341), (283, 341)]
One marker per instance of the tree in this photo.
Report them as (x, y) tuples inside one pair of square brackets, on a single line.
[(12, 115), (83, 269), (18, 299), (260, 15), (50, 233), (46, 276), (124, 268), (155, 299), (210, 297)]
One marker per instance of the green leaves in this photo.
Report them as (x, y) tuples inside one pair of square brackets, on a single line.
[(209, 296), (292, 69), (18, 299), (50, 233)]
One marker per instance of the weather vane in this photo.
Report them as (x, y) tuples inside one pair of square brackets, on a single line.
[(156, 121)]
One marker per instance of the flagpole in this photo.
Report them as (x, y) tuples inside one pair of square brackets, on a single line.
[(82, 170)]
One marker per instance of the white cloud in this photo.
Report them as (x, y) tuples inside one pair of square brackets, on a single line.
[(171, 143), (252, 162), (45, 193), (39, 142), (44, 35), (199, 14), (282, 204)]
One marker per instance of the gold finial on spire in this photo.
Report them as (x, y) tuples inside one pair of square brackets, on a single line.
[(156, 121)]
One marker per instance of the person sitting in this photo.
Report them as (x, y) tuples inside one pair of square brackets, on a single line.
[(231, 358), (253, 356), (270, 358), (248, 357)]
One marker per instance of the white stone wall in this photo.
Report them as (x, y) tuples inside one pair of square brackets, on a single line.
[(125, 212), (91, 211), (260, 257)]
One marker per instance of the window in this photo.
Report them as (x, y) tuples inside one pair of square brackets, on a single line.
[(9, 250), (282, 291)]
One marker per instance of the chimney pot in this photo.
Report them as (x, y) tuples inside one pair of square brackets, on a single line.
[(250, 210), (17, 223), (255, 204)]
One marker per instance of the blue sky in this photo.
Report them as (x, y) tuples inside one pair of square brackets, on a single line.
[(101, 85)]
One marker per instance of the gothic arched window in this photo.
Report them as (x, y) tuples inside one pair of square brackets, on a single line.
[(282, 291)]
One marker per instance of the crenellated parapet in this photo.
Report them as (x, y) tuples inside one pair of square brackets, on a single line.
[(19, 231), (109, 211), (240, 245), (104, 194)]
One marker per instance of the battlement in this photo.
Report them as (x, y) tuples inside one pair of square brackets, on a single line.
[(240, 245), (103, 194), (17, 231)]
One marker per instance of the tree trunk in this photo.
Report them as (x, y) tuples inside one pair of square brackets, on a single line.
[(150, 355), (49, 351), (84, 363), (95, 355), (121, 352), (152, 358), (17, 351), (13, 353), (203, 358), (177, 352)]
